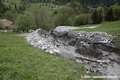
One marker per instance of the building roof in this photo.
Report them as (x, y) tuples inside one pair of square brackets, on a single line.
[(6, 22)]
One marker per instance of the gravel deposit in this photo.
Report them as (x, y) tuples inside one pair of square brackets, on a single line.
[(94, 50)]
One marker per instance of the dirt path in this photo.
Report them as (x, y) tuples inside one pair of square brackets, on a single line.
[(24, 34), (91, 27), (67, 28)]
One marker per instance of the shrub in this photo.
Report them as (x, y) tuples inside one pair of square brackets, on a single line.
[(25, 22), (13, 27), (69, 22), (81, 19), (1, 25)]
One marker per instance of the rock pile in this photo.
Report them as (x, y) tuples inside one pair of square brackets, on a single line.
[(94, 50)]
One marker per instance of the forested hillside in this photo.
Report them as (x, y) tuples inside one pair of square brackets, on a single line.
[(99, 2), (47, 14), (84, 2)]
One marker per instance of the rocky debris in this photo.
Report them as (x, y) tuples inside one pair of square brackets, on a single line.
[(94, 50), (64, 28), (87, 37)]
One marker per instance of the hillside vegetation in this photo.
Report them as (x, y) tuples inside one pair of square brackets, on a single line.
[(48, 14)]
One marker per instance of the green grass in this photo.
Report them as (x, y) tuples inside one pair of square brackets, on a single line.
[(20, 61), (35, 6), (86, 25), (109, 27), (17, 2)]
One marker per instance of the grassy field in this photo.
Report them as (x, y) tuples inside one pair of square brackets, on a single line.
[(12, 2), (35, 6), (109, 27), (31, 7), (88, 25), (20, 61)]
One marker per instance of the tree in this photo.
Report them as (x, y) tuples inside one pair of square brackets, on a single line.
[(16, 9), (25, 22), (76, 7), (101, 14), (3, 9), (110, 15), (95, 17), (98, 15), (69, 22), (10, 15), (116, 9), (89, 20), (43, 20)]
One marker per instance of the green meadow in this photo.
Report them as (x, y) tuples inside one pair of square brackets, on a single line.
[(20, 61)]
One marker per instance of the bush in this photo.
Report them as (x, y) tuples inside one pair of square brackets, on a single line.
[(13, 27), (81, 19), (25, 22), (98, 15), (69, 22), (1, 25)]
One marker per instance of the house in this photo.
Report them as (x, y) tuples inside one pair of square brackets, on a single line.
[(6, 23)]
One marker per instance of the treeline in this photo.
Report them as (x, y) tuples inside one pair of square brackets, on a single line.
[(10, 12), (83, 2), (99, 2), (34, 1), (91, 2), (73, 15)]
